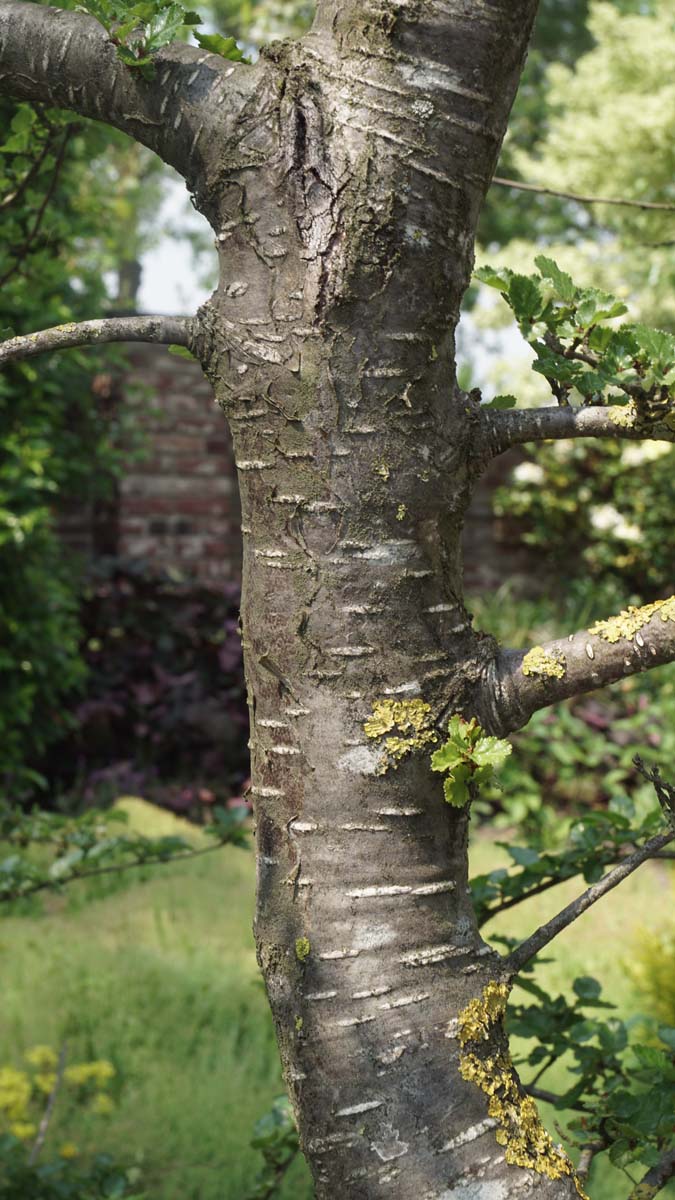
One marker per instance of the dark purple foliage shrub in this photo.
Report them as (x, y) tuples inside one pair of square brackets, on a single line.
[(163, 711)]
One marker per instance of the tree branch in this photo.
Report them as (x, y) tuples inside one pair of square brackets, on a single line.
[(180, 331), (518, 185), (517, 684), (656, 1178), (538, 1093), (502, 429), (546, 933), (67, 60)]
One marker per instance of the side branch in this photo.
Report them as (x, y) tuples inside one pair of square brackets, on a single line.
[(517, 684), (180, 331), (532, 945), (502, 429), (518, 185), (66, 59)]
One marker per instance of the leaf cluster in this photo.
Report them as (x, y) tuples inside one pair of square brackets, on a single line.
[(577, 349), (623, 1072), (468, 757), (139, 29), (596, 841)]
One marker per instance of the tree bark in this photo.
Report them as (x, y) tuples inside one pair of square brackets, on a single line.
[(343, 182)]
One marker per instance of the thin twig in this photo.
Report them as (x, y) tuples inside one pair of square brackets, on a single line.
[(586, 1157), (49, 1107), (538, 1093), (546, 933), (650, 205), (547, 884), (12, 197), (54, 884), (25, 247)]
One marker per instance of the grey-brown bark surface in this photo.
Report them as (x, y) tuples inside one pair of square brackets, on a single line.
[(343, 176)]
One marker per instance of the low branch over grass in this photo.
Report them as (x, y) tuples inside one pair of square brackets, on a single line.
[(517, 684), (623, 202), (179, 331), (527, 950), (502, 429)]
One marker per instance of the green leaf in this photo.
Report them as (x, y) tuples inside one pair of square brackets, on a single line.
[(499, 278), (491, 752), (565, 288), (456, 787), (525, 297), (656, 344), (501, 402), (446, 758), (217, 44), (587, 988), (164, 27)]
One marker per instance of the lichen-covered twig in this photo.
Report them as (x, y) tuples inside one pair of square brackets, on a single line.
[(527, 950), (656, 1178), (503, 428), (178, 331), (517, 684)]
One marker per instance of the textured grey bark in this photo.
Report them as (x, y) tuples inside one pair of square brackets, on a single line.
[(343, 177), (177, 331)]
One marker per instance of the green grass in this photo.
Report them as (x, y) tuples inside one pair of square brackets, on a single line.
[(161, 979), (158, 974)]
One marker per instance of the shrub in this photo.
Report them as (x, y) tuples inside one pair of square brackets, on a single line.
[(604, 510), (164, 710)]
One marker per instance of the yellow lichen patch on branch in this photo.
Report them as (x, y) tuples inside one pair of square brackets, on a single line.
[(629, 622), (411, 724), (623, 415), (526, 1142), (645, 1191), (551, 665)]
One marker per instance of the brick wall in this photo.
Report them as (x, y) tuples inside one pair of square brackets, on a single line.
[(178, 505)]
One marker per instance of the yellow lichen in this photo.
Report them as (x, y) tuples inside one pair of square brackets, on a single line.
[(302, 949), (625, 416), (629, 622), (383, 470), (519, 1129), (411, 719), (538, 661), (400, 512)]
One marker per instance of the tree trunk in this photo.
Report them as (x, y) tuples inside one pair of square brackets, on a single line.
[(332, 352)]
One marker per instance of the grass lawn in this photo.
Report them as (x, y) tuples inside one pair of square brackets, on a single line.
[(159, 976)]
